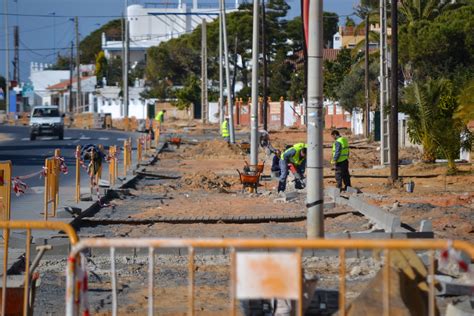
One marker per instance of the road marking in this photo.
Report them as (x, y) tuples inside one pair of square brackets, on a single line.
[(67, 138), (47, 138), (84, 137), (121, 139), (25, 139), (103, 138)]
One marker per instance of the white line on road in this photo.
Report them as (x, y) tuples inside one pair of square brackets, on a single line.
[(103, 138), (85, 138), (25, 139), (121, 139), (67, 138)]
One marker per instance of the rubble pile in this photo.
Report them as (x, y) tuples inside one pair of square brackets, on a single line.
[(213, 149), (206, 181)]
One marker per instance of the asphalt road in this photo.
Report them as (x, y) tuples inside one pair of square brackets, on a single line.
[(28, 157)]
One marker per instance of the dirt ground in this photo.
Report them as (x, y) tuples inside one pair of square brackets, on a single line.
[(199, 179)]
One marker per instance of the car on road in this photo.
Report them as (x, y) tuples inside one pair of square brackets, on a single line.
[(46, 120)]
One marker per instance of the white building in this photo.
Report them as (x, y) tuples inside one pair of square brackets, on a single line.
[(41, 78), (151, 24)]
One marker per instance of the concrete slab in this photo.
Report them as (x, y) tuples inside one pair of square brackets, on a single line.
[(383, 219)]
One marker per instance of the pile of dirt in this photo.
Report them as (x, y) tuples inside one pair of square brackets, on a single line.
[(213, 149), (208, 181)]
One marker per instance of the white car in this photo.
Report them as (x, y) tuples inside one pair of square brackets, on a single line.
[(46, 120)]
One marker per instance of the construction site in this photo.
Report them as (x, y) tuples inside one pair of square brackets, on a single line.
[(187, 233)]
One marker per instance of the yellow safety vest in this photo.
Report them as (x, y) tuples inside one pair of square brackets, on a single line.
[(296, 159), (344, 149), (159, 117), (225, 129)]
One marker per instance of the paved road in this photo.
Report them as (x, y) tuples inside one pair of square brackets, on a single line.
[(28, 157)]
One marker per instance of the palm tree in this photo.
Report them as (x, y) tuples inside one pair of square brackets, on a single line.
[(420, 101), (433, 108), (417, 10)]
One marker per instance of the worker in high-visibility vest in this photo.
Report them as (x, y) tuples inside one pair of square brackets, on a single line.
[(294, 159), (160, 118), (340, 158), (225, 129)]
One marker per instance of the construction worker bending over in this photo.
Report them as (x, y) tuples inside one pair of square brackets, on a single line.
[(293, 158), (225, 129), (160, 118), (340, 157)]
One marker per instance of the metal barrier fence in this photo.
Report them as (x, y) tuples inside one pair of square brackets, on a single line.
[(245, 266), (14, 302), (5, 189)]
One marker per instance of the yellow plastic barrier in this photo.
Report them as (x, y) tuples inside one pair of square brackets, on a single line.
[(12, 305), (270, 287), (5, 189)]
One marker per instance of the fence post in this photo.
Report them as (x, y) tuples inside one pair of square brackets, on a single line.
[(157, 137), (78, 173), (46, 187), (125, 157), (112, 172), (130, 158), (57, 172), (5, 189), (139, 150), (99, 172)]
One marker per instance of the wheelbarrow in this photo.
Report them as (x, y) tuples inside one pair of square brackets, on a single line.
[(175, 141), (15, 292), (245, 147), (258, 168), (249, 180)]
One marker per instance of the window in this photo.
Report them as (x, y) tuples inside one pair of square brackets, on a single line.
[(337, 38)]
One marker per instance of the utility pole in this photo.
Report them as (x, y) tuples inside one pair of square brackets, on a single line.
[(7, 58), (254, 113), (16, 59), (394, 96), (71, 68), (367, 101), (78, 67), (315, 197), (126, 66), (221, 75), (384, 125), (204, 72), (227, 75), (264, 54)]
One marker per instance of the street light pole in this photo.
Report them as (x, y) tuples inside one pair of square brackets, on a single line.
[(394, 96), (254, 113), (7, 59), (315, 198)]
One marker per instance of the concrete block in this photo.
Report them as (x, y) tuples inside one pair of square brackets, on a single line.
[(352, 190), (426, 226), (291, 195), (341, 201), (450, 286), (463, 307), (332, 192), (383, 219)]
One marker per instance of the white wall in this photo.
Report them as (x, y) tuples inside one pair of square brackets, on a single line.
[(213, 112)]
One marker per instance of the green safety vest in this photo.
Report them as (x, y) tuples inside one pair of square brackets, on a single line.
[(344, 150), (296, 159), (225, 129), (159, 117)]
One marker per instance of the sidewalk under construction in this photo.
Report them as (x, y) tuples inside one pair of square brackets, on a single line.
[(194, 192)]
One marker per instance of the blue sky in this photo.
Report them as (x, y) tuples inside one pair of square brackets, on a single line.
[(52, 31)]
